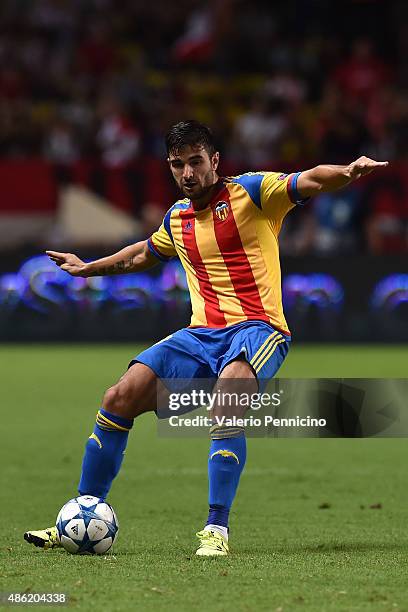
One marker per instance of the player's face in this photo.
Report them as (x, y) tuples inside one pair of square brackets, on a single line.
[(194, 170)]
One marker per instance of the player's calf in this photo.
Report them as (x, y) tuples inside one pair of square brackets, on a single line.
[(106, 445), (227, 455), (104, 452)]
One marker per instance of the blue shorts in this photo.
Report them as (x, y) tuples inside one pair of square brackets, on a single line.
[(202, 352)]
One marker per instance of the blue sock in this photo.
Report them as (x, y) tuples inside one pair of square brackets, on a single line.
[(225, 463), (104, 454)]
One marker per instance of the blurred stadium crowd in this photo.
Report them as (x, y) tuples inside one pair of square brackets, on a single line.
[(91, 86)]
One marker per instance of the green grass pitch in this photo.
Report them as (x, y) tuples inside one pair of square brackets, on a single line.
[(288, 553)]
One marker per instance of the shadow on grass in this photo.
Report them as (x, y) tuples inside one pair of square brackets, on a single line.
[(238, 552), (188, 553), (328, 547)]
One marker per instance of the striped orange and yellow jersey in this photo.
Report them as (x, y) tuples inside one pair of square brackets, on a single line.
[(229, 250)]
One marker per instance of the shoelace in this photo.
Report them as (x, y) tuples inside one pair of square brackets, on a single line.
[(210, 538)]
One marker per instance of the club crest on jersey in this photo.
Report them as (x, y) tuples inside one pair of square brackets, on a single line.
[(221, 210)]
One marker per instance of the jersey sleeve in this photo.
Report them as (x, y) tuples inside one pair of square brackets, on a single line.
[(161, 243), (278, 194)]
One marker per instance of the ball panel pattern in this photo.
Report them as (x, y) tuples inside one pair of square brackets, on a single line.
[(69, 545), (87, 501), (75, 529), (103, 546), (87, 525), (115, 519), (70, 510), (105, 512), (97, 529)]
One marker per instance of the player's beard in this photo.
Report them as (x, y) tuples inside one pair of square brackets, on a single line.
[(200, 191)]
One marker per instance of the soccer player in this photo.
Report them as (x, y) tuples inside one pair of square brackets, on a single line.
[(225, 232)]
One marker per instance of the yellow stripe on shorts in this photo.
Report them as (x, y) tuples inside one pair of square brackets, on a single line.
[(258, 352), (264, 349), (269, 354)]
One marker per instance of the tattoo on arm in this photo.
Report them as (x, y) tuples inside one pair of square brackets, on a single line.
[(120, 267)]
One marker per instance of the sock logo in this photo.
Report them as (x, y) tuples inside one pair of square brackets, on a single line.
[(97, 440), (225, 453)]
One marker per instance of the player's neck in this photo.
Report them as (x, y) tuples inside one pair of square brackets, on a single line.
[(201, 203)]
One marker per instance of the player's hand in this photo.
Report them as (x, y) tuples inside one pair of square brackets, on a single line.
[(68, 262), (364, 165)]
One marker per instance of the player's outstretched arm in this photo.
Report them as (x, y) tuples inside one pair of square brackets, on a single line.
[(329, 177), (133, 258)]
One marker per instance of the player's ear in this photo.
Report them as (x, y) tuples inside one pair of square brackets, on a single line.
[(215, 160)]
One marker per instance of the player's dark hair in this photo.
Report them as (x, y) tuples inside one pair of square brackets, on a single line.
[(189, 133)]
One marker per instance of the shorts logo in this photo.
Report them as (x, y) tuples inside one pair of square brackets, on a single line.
[(221, 210), (282, 176)]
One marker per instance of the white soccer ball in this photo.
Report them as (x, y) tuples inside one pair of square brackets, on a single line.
[(87, 525)]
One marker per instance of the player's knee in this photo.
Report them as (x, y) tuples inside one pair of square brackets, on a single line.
[(116, 400)]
